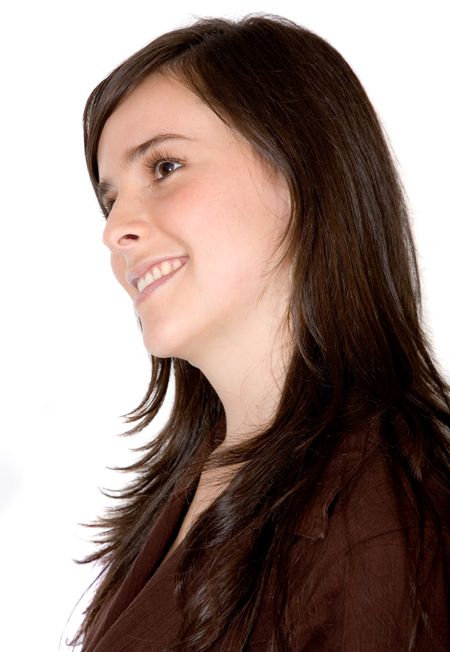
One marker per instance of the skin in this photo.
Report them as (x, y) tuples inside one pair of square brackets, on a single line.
[(224, 209)]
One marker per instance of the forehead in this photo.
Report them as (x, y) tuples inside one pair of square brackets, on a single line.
[(160, 104)]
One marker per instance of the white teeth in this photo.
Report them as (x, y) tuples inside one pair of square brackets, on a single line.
[(157, 272), (166, 267), (144, 281)]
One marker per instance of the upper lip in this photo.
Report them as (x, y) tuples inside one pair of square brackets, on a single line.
[(144, 267)]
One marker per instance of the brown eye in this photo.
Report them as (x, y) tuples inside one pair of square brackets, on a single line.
[(165, 167), (161, 165)]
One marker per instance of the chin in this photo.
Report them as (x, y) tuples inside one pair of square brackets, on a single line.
[(179, 350), (159, 351), (166, 347)]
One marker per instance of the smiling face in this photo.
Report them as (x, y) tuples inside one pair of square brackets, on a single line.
[(210, 202)]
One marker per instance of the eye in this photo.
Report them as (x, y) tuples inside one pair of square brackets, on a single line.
[(164, 167), (161, 164), (106, 205)]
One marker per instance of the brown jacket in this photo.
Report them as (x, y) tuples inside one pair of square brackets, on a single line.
[(347, 613)]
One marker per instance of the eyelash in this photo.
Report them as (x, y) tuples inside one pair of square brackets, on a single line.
[(157, 157), (151, 163)]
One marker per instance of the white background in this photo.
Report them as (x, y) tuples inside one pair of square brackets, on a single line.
[(72, 359)]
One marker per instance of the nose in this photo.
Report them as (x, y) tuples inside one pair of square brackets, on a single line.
[(125, 227)]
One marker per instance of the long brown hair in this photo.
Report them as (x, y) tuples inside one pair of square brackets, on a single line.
[(355, 317)]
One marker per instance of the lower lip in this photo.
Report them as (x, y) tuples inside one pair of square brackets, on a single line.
[(152, 287)]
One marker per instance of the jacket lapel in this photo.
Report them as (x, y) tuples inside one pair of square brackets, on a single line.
[(139, 580)]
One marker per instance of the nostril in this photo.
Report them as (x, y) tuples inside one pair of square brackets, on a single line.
[(129, 236)]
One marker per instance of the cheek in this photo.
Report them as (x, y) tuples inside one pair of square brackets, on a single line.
[(209, 212)]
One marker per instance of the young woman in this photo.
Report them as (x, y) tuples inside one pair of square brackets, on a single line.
[(298, 496)]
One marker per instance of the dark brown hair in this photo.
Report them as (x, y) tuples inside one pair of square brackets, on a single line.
[(360, 350)]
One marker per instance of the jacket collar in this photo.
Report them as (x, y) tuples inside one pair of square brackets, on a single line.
[(350, 453), (353, 447)]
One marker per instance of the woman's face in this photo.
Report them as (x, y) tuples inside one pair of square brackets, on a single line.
[(209, 203)]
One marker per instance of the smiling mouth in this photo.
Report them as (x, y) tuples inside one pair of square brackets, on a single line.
[(153, 280), (158, 272)]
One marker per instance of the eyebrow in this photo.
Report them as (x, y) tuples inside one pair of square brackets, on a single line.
[(133, 154)]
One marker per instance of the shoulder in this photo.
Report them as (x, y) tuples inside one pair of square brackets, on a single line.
[(366, 490), (369, 548)]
